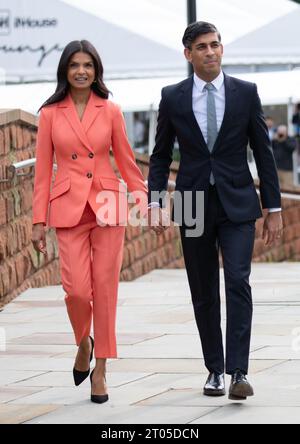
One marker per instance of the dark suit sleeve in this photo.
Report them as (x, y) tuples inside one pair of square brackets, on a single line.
[(262, 149), (162, 156)]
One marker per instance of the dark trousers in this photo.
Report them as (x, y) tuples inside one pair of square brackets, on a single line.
[(201, 254)]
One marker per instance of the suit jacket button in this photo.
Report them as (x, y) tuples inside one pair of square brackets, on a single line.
[(91, 156), (89, 175), (74, 156)]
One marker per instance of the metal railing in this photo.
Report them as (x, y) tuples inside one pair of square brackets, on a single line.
[(13, 172)]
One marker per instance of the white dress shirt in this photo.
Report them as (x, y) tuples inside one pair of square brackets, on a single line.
[(200, 101)]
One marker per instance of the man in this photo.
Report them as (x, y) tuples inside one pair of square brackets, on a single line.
[(283, 148), (271, 127), (213, 117), (296, 120)]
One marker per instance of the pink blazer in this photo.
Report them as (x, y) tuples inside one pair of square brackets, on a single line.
[(82, 153)]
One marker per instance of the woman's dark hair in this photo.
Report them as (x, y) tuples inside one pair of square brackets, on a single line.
[(195, 30), (62, 88)]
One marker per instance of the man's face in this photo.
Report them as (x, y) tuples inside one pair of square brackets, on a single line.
[(269, 123), (206, 56), (282, 133)]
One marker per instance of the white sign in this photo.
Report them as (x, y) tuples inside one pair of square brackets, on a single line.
[(33, 34), (31, 38)]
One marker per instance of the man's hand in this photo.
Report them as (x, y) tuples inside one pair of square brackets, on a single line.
[(158, 220), (39, 238), (273, 228)]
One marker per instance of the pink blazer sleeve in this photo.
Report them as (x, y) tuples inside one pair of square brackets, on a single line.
[(126, 163), (43, 169)]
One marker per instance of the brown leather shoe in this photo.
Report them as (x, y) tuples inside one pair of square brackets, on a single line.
[(240, 389)]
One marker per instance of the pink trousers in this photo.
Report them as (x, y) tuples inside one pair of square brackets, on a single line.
[(90, 262)]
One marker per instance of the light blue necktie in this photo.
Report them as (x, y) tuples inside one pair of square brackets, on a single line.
[(212, 126)]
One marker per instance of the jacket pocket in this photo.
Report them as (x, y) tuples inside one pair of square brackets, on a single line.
[(242, 180), (109, 183), (60, 188)]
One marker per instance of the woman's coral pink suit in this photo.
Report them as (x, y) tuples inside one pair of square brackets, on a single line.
[(90, 249)]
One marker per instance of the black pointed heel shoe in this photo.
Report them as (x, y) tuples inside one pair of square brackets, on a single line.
[(79, 376), (98, 399)]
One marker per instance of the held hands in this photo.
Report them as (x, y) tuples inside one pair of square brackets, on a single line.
[(273, 228), (158, 220), (39, 238)]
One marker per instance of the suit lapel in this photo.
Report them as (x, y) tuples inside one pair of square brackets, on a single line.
[(230, 98), (90, 114), (94, 108), (186, 105)]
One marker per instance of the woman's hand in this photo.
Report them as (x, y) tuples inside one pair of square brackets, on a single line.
[(39, 238)]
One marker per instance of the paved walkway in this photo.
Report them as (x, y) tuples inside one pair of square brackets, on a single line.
[(159, 375)]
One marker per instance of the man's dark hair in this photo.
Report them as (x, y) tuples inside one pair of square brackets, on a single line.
[(195, 30)]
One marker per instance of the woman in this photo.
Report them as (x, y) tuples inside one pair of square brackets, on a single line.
[(79, 125)]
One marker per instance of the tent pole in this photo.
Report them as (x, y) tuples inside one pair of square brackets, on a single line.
[(191, 18), (152, 129)]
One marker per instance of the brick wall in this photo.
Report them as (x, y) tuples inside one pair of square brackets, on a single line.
[(21, 267), (287, 248)]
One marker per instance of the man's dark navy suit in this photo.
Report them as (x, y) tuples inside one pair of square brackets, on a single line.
[(231, 208)]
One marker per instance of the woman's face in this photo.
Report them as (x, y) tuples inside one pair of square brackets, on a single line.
[(81, 71)]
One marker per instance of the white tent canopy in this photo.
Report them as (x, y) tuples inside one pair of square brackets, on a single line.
[(164, 21), (274, 43), (33, 34), (276, 88), (136, 38)]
